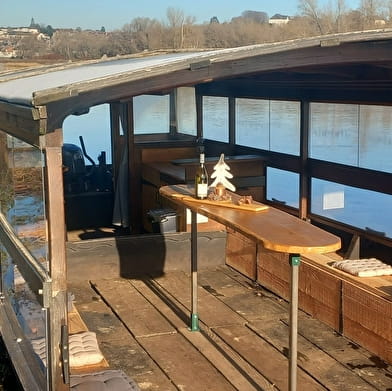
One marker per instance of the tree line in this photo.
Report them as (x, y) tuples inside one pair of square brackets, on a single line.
[(180, 31)]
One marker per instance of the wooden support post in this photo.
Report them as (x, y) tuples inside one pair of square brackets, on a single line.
[(353, 251), (57, 259)]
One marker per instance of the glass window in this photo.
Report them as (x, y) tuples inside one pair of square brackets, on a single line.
[(269, 125), (353, 206), (186, 110), (283, 186), (216, 118), (334, 132), (29, 312), (22, 194), (94, 127), (151, 114), (22, 205), (252, 123), (285, 127), (375, 137), (356, 135)]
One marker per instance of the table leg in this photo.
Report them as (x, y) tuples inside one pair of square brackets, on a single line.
[(295, 260), (194, 314)]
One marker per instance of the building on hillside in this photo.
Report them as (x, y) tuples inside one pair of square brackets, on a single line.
[(279, 19), (8, 52)]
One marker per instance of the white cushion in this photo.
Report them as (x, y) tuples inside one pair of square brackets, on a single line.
[(367, 267)]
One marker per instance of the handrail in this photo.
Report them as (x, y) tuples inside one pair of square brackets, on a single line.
[(31, 270)]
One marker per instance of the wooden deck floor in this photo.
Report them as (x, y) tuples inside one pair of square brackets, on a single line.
[(142, 328)]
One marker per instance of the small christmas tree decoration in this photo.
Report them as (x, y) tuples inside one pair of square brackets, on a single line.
[(221, 173)]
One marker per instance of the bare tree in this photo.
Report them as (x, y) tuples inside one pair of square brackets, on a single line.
[(310, 9), (29, 46), (141, 32), (179, 27), (370, 11)]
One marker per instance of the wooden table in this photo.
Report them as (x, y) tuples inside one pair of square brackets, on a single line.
[(273, 229)]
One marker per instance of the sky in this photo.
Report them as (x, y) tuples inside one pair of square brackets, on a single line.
[(114, 14)]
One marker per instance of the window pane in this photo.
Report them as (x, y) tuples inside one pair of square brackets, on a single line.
[(151, 114), (216, 118), (375, 127), (334, 132), (252, 123), (94, 127), (186, 110), (22, 194), (283, 186), (25, 304), (285, 127), (350, 205)]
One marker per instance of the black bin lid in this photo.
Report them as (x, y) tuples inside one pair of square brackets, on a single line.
[(160, 214)]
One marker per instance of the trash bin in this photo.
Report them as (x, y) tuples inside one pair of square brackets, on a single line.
[(163, 220)]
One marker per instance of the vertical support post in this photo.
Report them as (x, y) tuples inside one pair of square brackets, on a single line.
[(295, 260), (304, 189), (57, 258), (194, 315)]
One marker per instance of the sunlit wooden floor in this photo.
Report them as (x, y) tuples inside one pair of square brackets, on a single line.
[(142, 329)]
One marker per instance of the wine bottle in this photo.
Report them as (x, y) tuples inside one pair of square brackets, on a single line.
[(201, 179)]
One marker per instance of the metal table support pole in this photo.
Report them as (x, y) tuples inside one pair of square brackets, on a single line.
[(295, 260), (194, 315)]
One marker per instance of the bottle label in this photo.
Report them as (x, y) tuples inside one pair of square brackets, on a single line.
[(202, 190)]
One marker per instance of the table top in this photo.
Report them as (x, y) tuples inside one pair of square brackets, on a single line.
[(275, 229)]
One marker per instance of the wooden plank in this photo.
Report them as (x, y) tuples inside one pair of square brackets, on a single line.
[(367, 319), (232, 366), (220, 361), (251, 302), (330, 373), (116, 343), (319, 292), (320, 295), (240, 166), (139, 316), (136, 255), (275, 229), (254, 207), (20, 122), (75, 323), (380, 286), (354, 357), (273, 271), (265, 358), (211, 311), (241, 253), (331, 368), (56, 250), (183, 364), (166, 154)]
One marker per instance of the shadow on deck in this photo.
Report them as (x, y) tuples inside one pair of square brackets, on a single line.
[(142, 328)]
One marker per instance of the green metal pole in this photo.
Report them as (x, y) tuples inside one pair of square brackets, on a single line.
[(194, 315), (295, 260)]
